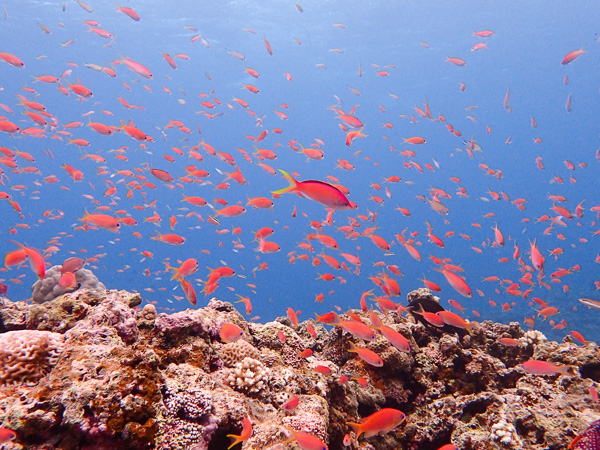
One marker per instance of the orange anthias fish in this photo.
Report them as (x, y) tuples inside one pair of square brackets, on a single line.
[(306, 441), (539, 367), (572, 56), (7, 435), (369, 356), (38, 265), (244, 435), (321, 192), (188, 267), (102, 221), (230, 332), (382, 421)]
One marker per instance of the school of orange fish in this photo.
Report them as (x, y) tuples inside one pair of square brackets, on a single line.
[(130, 188)]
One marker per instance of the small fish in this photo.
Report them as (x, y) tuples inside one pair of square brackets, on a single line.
[(321, 192), (7, 435), (292, 404), (230, 332), (244, 435), (368, 356), (539, 367), (382, 421), (306, 441)]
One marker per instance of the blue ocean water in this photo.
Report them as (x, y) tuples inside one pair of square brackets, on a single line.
[(334, 53)]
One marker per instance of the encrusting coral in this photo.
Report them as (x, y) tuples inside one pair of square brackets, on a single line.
[(48, 288), (107, 374)]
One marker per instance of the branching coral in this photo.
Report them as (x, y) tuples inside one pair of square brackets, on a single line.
[(249, 376)]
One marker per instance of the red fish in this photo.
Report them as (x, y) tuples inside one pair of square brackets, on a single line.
[(7, 435), (291, 404), (130, 12), (135, 67), (456, 282), (38, 265), (368, 356), (456, 61), (11, 59)]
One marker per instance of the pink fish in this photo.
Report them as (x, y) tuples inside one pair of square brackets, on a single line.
[(321, 192)]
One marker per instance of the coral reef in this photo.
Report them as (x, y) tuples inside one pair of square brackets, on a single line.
[(93, 369)]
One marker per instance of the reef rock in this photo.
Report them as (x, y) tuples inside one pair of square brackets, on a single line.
[(94, 370)]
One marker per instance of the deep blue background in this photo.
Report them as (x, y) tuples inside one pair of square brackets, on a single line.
[(530, 40)]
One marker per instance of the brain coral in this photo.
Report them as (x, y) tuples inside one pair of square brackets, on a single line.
[(235, 352), (27, 355), (48, 289)]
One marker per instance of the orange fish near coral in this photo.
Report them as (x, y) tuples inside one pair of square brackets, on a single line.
[(368, 356), (230, 332), (244, 435), (382, 421), (539, 367), (36, 260), (306, 441), (321, 192), (7, 435)]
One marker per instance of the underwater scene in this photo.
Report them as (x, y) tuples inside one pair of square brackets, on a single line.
[(324, 224)]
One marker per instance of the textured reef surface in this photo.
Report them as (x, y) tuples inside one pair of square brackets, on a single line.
[(94, 370)]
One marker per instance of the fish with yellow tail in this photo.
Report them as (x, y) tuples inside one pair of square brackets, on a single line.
[(382, 421), (319, 191)]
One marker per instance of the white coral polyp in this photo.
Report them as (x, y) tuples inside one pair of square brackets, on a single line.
[(28, 355), (505, 433)]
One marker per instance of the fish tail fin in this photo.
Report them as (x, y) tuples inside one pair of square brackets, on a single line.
[(236, 440), (568, 370), (337, 321), (358, 429), (292, 186), (168, 268), (420, 311)]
